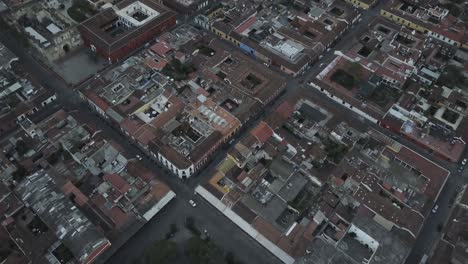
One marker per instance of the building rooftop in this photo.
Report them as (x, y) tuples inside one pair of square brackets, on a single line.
[(132, 16), (39, 192), (6, 57)]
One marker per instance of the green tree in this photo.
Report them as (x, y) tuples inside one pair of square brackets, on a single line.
[(231, 259), (21, 147), (161, 252), (190, 224), (355, 69), (19, 173), (202, 251), (452, 76)]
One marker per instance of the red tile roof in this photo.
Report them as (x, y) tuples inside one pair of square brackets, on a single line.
[(98, 251), (436, 174), (267, 229), (118, 182), (285, 109), (249, 22), (80, 198), (156, 62), (262, 132), (161, 48), (96, 99)]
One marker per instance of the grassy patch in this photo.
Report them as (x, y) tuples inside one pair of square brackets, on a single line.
[(302, 201), (335, 151), (251, 81), (207, 51), (384, 95), (80, 11), (177, 70), (450, 116), (202, 251), (344, 79), (452, 76), (162, 251)]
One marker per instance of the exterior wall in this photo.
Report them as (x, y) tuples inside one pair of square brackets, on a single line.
[(344, 103), (159, 205), (248, 50), (49, 100), (358, 3), (70, 38), (203, 21), (93, 105), (114, 54), (288, 71), (444, 39), (364, 238), (190, 9), (219, 33), (180, 172), (140, 40), (402, 21)]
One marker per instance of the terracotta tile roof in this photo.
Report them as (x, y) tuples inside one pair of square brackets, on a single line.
[(70, 188), (159, 190), (118, 182), (131, 125), (96, 99), (135, 169), (436, 174), (156, 63), (309, 231), (145, 134), (262, 132), (295, 243), (285, 109), (249, 22), (267, 229), (161, 48)]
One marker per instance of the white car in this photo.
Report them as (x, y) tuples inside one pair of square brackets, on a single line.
[(464, 162), (138, 157), (192, 203), (434, 209)]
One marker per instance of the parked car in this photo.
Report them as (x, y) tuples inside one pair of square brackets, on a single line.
[(138, 157), (464, 162), (192, 203), (434, 209)]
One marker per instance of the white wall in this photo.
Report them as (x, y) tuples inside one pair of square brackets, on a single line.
[(187, 172), (364, 238), (344, 103)]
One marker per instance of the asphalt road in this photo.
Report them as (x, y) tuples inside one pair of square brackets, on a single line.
[(222, 230)]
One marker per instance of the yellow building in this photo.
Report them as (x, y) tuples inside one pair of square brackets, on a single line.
[(364, 4), (398, 18)]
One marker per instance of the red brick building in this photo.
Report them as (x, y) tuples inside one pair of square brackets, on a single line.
[(116, 32)]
